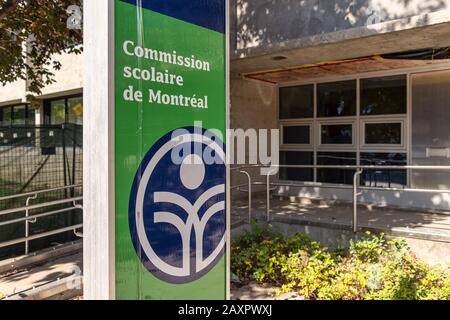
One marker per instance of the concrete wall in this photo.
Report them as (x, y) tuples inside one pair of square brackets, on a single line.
[(253, 105), (432, 252), (265, 22), (12, 93)]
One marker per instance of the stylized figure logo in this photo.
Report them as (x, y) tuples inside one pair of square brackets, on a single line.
[(177, 211)]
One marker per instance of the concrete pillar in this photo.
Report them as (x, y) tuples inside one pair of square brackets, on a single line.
[(98, 150)]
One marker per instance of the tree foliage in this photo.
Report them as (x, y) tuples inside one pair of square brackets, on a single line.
[(32, 32)]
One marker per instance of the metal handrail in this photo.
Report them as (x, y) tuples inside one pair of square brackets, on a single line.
[(32, 193), (32, 219), (41, 205), (37, 216), (249, 179), (356, 181), (41, 235), (355, 167)]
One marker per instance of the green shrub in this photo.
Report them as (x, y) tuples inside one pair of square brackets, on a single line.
[(371, 268), (2, 296)]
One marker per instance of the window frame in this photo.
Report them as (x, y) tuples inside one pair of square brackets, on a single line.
[(341, 146), (360, 90), (382, 146), (297, 123), (48, 107), (11, 109), (359, 147), (316, 102)]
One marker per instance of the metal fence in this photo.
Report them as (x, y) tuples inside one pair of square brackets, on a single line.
[(36, 158)]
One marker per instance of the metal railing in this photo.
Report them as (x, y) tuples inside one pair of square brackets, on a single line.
[(27, 220), (359, 170)]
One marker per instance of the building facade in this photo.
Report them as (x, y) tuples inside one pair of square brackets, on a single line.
[(348, 83), (362, 82)]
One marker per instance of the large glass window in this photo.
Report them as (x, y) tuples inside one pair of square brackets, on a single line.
[(297, 134), (296, 158), (58, 111), (18, 115), (338, 128), (382, 96), (64, 110), (5, 116), (75, 110), (337, 134), (337, 99), (31, 116), (383, 133), (297, 102), (336, 176), (384, 178)]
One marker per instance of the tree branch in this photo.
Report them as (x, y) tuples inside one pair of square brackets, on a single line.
[(8, 6)]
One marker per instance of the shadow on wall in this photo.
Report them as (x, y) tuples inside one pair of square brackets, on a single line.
[(263, 22)]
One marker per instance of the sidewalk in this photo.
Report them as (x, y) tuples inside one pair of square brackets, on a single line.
[(34, 277)]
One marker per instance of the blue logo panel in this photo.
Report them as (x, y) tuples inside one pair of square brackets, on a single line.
[(177, 211)]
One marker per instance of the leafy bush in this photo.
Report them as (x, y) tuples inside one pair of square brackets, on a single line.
[(371, 268), (2, 296)]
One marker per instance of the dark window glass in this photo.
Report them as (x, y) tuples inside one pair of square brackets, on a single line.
[(6, 116), (386, 95), (337, 99), (1, 117), (383, 133), (296, 135), (337, 176), (384, 178), (337, 134), (58, 111), (31, 116), (296, 158), (297, 102), (19, 115)]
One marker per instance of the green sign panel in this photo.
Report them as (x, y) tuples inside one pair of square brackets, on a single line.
[(170, 123)]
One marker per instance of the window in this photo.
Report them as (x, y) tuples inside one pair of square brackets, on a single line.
[(58, 111), (75, 110), (64, 110), (18, 115), (297, 102), (384, 178), (336, 134), (296, 134), (31, 116), (383, 133), (336, 176), (333, 124), (296, 158), (336, 99), (5, 116), (383, 96)]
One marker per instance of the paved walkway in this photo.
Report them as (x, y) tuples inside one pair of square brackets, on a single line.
[(341, 215), (40, 275)]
